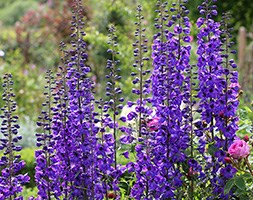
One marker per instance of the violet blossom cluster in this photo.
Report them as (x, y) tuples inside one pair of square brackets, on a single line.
[(47, 167), (80, 122), (11, 182), (73, 123), (144, 167), (218, 101), (113, 90), (227, 120), (107, 147), (60, 126), (170, 53)]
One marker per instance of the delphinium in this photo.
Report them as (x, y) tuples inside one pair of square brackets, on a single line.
[(192, 167), (217, 104), (141, 72), (11, 181), (143, 168), (159, 54), (113, 90), (81, 126), (187, 75), (171, 51), (105, 152), (60, 130), (159, 93), (112, 107), (226, 119), (47, 169)]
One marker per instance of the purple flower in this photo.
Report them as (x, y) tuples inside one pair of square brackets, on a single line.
[(46, 175), (218, 103), (11, 182)]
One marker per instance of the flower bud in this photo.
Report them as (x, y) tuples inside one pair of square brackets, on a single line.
[(111, 195), (227, 160), (221, 114), (246, 138), (191, 172)]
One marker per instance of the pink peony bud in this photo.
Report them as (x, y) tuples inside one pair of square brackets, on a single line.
[(111, 195), (239, 149), (227, 160), (246, 138)]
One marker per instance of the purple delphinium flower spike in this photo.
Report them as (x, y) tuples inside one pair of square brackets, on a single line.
[(171, 52), (60, 126), (111, 109), (105, 151), (225, 118), (10, 181), (215, 106), (209, 71), (144, 168), (140, 72), (46, 174), (113, 91), (80, 124), (73, 122)]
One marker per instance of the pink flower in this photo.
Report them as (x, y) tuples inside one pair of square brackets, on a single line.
[(153, 124), (239, 149)]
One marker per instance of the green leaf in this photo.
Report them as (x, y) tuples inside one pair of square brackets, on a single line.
[(248, 109), (243, 197), (240, 183), (244, 126), (212, 149), (228, 186), (122, 192), (247, 176), (185, 166)]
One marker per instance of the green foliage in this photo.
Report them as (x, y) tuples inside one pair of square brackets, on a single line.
[(123, 161), (27, 154), (11, 11), (241, 12), (126, 183), (27, 130), (211, 149), (241, 185), (28, 192), (246, 121), (229, 186)]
